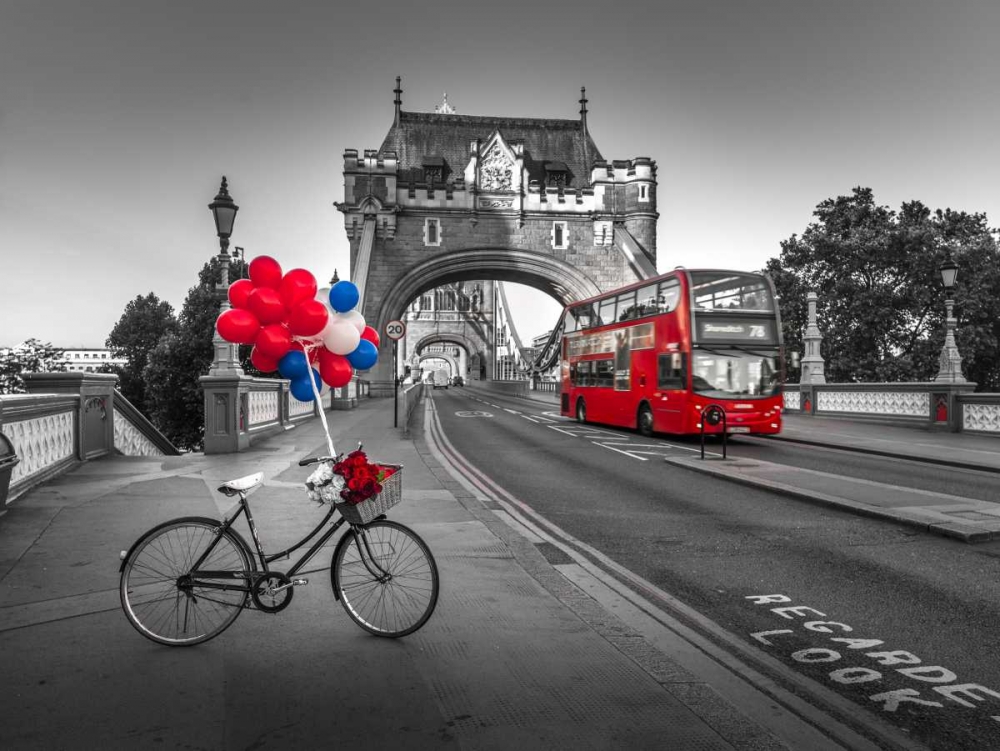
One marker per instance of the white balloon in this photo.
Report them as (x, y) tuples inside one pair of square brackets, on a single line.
[(341, 337), (355, 317)]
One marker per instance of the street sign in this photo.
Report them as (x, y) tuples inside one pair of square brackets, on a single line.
[(395, 330)]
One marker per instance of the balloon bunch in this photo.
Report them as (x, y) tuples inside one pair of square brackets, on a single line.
[(294, 326)]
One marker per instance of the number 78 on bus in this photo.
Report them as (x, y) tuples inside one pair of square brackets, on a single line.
[(653, 355)]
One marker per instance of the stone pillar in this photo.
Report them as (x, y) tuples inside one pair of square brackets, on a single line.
[(227, 419), (950, 362), (813, 365), (96, 434)]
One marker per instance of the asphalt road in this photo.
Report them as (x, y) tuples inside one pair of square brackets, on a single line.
[(901, 622)]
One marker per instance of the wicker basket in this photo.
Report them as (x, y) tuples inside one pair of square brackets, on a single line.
[(364, 512)]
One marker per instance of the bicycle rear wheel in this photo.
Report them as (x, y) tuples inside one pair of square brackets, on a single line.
[(385, 578), (159, 597)]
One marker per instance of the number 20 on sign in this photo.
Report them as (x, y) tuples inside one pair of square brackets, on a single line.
[(395, 330)]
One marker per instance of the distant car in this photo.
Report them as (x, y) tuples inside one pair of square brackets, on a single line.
[(457, 381)]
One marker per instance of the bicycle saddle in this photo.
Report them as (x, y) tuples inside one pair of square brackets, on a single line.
[(241, 485)]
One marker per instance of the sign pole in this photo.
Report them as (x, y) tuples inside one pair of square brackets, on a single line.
[(395, 330)]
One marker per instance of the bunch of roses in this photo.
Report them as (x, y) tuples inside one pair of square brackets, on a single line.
[(362, 479)]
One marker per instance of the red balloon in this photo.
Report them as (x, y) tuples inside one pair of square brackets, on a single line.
[(335, 370), (274, 340), (297, 285), (263, 363), (239, 291), (308, 318), (238, 326), (265, 272), (265, 303), (371, 335)]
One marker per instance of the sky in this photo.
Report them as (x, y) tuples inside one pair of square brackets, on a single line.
[(118, 120)]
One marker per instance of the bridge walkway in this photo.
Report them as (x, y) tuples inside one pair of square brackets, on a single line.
[(515, 654)]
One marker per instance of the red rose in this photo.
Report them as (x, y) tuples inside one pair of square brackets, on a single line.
[(368, 487), (354, 484)]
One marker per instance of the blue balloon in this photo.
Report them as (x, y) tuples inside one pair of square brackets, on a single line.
[(364, 356), (293, 365), (343, 296), (301, 389)]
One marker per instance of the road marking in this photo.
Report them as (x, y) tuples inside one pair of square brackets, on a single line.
[(513, 412), (472, 413), (606, 446), (530, 419)]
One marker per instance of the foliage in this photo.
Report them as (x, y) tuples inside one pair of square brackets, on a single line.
[(31, 356), (881, 299), (181, 357), (142, 324)]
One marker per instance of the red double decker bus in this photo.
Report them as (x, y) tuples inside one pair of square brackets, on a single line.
[(655, 354)]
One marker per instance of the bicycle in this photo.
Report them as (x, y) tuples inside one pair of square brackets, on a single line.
[(187, 580)]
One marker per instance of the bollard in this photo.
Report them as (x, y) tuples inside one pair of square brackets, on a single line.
[(713, 414)]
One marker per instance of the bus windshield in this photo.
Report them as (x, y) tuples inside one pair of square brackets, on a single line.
[(726, 290), (735, 373)]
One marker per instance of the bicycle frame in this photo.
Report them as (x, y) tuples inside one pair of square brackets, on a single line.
[(244, 508)]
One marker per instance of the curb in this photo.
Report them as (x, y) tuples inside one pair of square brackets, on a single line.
[(880, 452), (965, 533)]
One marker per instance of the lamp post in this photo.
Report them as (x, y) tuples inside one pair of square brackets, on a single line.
[(226, 360), (950, 370)]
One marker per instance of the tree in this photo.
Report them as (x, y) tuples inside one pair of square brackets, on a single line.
[(880, 292), (32, 356), (180, 358), (144, 322)]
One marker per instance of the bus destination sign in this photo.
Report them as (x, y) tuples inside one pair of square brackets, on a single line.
[(737, 330)]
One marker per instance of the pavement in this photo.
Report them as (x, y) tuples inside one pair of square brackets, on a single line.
[(966, 519), (523, 650)]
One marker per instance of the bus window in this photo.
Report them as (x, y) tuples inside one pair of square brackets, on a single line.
[(570, 323), (714, 290), (626, 306), (605, 373), (646, 302), (672, 371), (584, 315), (666, 299), (606, 313)]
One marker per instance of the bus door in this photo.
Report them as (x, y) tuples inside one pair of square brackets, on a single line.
[(670, 399)]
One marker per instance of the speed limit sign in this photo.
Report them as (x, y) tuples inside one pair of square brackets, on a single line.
[(395, 330)]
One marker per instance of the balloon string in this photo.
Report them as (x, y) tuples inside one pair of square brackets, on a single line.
[(322, 414)]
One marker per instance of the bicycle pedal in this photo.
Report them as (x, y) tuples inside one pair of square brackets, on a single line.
[(299, 582)]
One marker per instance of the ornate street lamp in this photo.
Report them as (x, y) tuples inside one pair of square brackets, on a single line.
[(950, 370), (226, 360)]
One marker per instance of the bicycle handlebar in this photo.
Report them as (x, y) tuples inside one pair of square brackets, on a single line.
[(314, 460)]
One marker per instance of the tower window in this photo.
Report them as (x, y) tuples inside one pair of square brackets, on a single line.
[(432, 232), (560, 236), (644, 193)]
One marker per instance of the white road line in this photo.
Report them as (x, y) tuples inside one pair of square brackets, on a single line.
[(530, 419), (513, 412), (606, 446)]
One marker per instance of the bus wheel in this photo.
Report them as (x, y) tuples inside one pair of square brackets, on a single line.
[(644, 423), (581, 411)]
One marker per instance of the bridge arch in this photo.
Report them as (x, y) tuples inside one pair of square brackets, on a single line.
[(452, 364), (547, 273)]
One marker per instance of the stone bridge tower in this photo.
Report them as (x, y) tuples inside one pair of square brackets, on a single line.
[(455, 198)]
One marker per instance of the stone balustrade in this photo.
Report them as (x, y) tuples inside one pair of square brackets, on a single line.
[(68, 418), (931, 404)]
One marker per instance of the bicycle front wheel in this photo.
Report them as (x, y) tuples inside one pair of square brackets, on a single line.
[(164, 602), (386, 578)]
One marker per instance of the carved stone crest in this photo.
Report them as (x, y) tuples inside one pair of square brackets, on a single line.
[(496, 171)]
